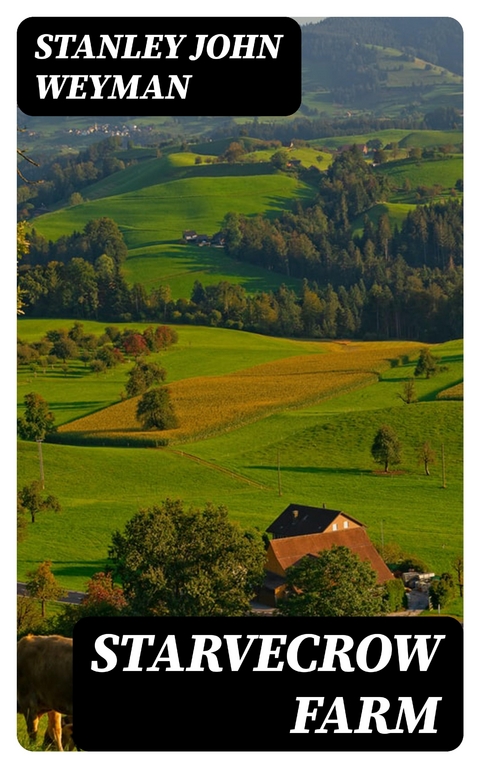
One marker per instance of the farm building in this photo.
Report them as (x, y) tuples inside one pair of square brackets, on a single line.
[(302, 531), (346, 147)]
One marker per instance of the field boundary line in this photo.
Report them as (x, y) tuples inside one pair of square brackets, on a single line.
[(218, 468)]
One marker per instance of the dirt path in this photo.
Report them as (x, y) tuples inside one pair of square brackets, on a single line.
[(219, 468)]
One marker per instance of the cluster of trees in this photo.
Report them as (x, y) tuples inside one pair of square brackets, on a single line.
[(439, 40), (154, 409), (99, 237), (403, 282), (99, 352), (77, 276), (317, 242), (66, 175)]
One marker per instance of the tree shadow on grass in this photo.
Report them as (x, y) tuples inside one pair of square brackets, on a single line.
[(79, 405), (312, 470), (84, 569)]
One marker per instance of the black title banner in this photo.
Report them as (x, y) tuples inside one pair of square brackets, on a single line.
[(159, 66), (181, 684)]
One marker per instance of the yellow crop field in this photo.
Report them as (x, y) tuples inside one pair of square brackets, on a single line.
[(210, 404), (452, 393)]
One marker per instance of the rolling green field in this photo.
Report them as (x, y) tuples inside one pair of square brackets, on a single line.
[(200, 352), (179, 266), (156, 199), (404, 138), (311, 455), (444, 172), (160, 213), (316, 453)]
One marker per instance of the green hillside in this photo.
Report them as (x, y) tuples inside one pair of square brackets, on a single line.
[(180, 265), (404, 138), (312, 455), (444, 172), (160, 213)]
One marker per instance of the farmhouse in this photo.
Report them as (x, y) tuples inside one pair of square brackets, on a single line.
[(190, 236), (303, 531), (346, 147)]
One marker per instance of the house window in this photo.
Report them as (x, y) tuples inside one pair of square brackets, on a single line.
[(334, 527), (345, 524)]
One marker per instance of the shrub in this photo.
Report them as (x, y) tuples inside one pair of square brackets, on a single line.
[(394, 595), (442, 591)]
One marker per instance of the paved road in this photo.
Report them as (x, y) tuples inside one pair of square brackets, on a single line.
[(71, 597), (416, 603)]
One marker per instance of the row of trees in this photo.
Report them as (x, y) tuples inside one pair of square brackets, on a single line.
[(418, 305)]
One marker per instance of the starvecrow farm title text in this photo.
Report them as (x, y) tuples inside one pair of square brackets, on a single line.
[(376, 683)]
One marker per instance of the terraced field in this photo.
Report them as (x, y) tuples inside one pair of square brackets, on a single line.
[(211, 404)]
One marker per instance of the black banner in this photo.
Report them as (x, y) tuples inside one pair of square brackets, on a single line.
[(159, 66), (343, 684)]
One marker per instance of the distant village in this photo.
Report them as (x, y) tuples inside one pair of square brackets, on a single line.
[(106, 129)]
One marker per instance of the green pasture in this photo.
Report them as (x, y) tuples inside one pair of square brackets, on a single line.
[(200, 351), (154, 170), (179, 265), (396, 213), (402, 73), (400, 76), (442, 171), (404, 138), (308, 157), (314, 455), (160, 213)]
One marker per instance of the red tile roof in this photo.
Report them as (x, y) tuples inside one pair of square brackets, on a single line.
[(288, 551)]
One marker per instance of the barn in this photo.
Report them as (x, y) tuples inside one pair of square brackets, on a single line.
[(301, 531)]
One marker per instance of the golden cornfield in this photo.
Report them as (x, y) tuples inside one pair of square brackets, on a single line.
[(210, 404), (452, 393)]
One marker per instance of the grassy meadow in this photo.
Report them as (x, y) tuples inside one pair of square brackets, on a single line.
[(155, 199), (161, 212), (179, 266), (404, 138), (269, 422)]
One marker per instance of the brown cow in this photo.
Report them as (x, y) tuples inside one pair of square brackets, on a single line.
[(68, 742), (44, 681), (66, 726)]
